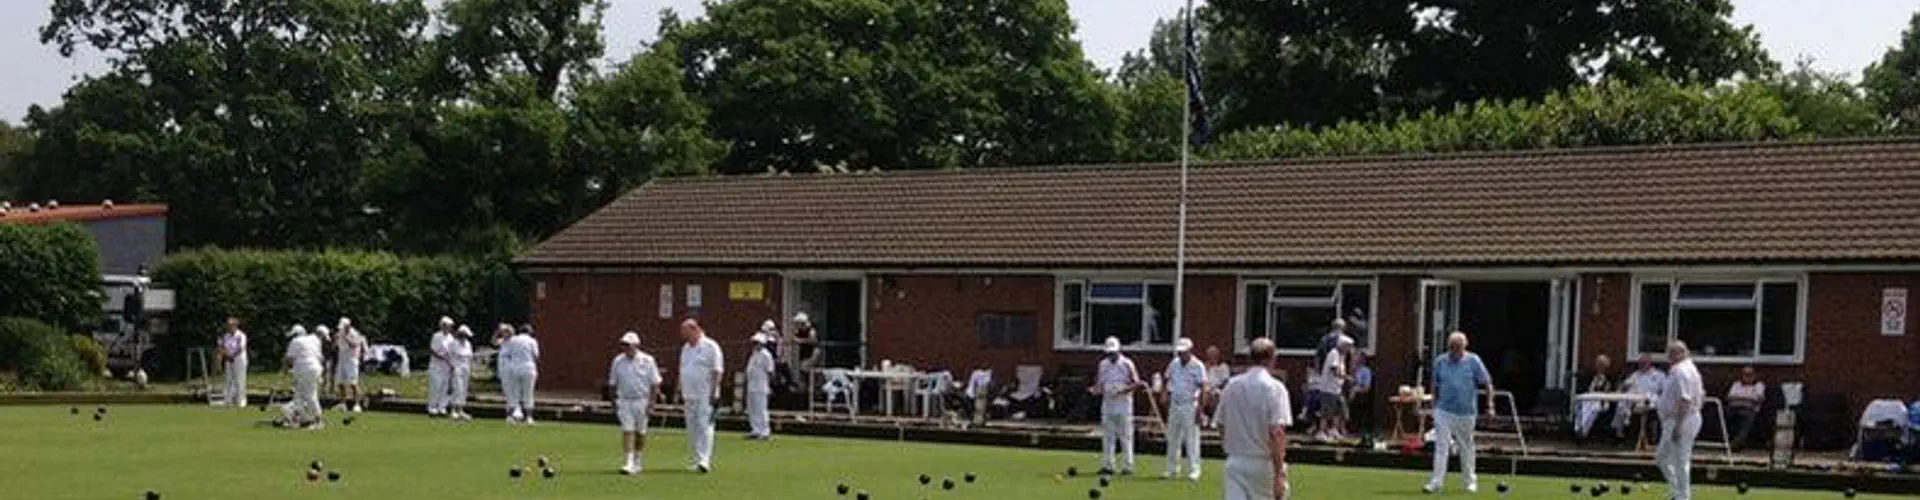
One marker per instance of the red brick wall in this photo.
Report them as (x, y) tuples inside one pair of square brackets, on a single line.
[(1845, 351), (1606, 309), (581, 317)]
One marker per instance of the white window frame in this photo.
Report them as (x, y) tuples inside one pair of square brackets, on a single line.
[(1758, 282), (1240, 306), (1086, 318)]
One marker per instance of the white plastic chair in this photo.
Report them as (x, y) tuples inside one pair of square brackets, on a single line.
[(932, 391), (1028, 379), (839, 387), (891, 387)]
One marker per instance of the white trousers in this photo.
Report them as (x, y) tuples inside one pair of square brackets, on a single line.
[(1117, 428), (1251, 478), (236, 390), (517, 383), (437, 375), (1585, 415), (1674, 457), (306, 395), (1183, 439), (1453, 432), (757, 419), (700, 431), (457, 384)]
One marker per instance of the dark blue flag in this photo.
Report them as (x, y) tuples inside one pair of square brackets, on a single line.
[(1196, 99)]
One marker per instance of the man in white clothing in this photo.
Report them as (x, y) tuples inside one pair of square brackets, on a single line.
[(303, 360), (460, 377), (1186, 377), (1115, 382), (1329, 387), (349, 347), (519, 368), (635, 381), (701, 365), (1679, 409), (233, 358), (1254, 414), (439, 371), (760, 387), (1458, 376)]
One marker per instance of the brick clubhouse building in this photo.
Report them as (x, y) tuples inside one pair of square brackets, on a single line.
[(1795, 257)]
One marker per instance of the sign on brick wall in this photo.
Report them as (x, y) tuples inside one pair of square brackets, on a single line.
[(747, 290), (666, 301), (1893, 311)]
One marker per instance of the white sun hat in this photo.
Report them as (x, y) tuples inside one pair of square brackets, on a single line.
[(1111, 346)]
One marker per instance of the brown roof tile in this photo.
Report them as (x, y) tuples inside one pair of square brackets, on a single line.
[(1806, 201)]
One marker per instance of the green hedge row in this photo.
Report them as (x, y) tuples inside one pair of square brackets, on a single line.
[(50, 273), (392, 299), (38, 356)]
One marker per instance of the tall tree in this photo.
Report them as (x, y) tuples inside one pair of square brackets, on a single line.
[(250, 118), (1893, 84), (798, 85), (544, 40), (1317, 62), (637, 123), (14, 145)]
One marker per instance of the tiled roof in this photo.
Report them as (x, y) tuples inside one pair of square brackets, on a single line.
[(1733, 203), (22, 214)]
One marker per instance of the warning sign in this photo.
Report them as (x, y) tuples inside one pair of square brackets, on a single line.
[(1893, 312)]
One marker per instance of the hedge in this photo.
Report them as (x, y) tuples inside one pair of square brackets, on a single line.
[(39, 356), (392, 299), (50, 273)]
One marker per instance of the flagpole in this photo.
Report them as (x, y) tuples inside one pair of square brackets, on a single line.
[(1186, 146)]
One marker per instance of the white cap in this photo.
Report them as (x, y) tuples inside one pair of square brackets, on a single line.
[(758, 338), (800, 318), (1182, 344), (446, 321), (630, 338), (322, 330), (344, 322), (463, 331), (768, 326), (296, 331), (1112, 345)]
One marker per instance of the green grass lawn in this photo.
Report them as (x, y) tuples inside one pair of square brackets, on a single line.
[(197, 452)]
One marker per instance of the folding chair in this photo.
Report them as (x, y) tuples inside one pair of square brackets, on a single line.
[(932, 391), (838, 386)]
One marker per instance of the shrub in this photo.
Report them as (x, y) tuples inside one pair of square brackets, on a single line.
[(392, 299), (51, 273), (40, 356), (90, 352)]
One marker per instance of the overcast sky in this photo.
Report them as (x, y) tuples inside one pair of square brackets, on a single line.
[(1839, 35)]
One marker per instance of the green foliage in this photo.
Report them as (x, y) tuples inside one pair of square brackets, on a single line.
[(90, 352), (1826, 105), (801, 85), (1320, 62), (50, 273), (15, 143), (391, 299), (1893, 83), (39, 355), (1609, 114)]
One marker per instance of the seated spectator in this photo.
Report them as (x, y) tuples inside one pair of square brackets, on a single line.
[(1217, 374), (1360, 395), (1600, 380), (1744, 400), (1646, 381)]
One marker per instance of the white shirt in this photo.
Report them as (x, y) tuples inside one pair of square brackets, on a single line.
[(1646, 382), (1331, 369), (438, 344), (460, 351), (1755, 392), (303, 352), (234, 344), (520, 351), (349, 344), (1683, 386), (1184, 381), (760, 372), (700, 367), (633, 377), (1217, 375), (1252, 404), (1114, 377)]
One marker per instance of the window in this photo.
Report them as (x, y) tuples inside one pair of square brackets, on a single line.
[(1139, 313), (1727, 320), (1296, 313), (1005, 330)]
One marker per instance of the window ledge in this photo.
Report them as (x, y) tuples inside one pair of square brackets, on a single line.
[(1123, 349), (1737, 360)]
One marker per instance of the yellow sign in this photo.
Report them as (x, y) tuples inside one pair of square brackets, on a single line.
[(747, 290)]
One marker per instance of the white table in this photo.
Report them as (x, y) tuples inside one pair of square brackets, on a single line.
[(905, 379)]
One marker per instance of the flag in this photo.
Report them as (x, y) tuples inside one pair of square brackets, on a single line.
[(1196, 98)]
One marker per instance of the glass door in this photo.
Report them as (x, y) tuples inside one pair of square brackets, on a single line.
[(1439, 316)]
